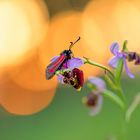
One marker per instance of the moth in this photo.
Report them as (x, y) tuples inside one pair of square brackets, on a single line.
[(58, 63)]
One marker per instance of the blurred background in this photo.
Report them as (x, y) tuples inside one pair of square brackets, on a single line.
[(31, 33)]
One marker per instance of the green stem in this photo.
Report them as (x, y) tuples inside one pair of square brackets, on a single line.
[(121, 94), (124, 130), (135, 103), (87, 61), (110, 82), (117, 88), (118, 72), (124, 46)]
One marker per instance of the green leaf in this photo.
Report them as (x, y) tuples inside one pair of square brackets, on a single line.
[(118, 71), (110, 82), (117, 88), (114, 98)]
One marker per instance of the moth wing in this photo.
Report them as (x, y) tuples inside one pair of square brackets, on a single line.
[(53, 67)]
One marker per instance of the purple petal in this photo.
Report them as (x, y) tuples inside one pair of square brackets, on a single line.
[(60, 79), (127, 70), (113, 62), (98, 82), (114, 48), (96, 109), (65, 66), (74, 63), (54, 58)]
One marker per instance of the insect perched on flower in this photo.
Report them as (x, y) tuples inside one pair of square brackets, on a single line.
[(59, 61), (66, 67)]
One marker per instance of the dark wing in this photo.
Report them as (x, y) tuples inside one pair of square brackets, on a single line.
[(53, 67)]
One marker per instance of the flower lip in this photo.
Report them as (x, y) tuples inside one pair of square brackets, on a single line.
[(73, 77), (133, 56), (79, 76), (94, 102), (97, 108)]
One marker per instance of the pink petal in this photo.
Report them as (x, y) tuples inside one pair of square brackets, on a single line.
[(114, 48), (113, 62), (98, 82), (127, 70), (60, 79), (74, 63)]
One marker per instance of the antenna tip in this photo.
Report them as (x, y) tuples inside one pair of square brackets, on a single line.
[(79, 38)]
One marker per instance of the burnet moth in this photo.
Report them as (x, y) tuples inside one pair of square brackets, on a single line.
[(58, 63)]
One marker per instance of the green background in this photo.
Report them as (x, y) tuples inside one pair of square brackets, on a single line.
[(67, 119)]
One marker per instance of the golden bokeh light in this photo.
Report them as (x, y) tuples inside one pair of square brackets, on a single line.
[(19, 101), (37, 13), (14, 35), (30, 75), (66, 27), (99, 29), (23, 27), (127, 18), (59, 35)]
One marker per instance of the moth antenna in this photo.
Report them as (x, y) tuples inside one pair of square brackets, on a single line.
[(72, 43)]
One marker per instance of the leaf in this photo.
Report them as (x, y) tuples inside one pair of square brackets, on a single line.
[(114, 98), (110, 82), (118, 71)]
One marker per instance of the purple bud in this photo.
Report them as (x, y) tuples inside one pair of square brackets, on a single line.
[(131, 56)]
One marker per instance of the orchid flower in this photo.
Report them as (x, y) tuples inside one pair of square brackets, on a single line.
[(115, 49), (72, 75), (94, 99)]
